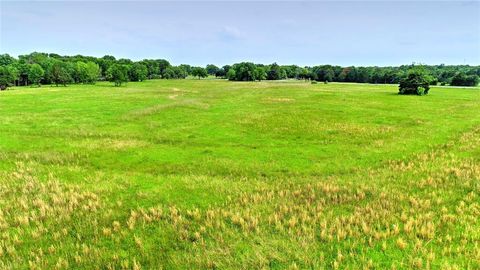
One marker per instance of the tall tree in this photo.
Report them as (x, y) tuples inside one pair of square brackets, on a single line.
[(118, 74), (6, 59), (8, 76), (162, 66), (60, 74), (81, 72), (244, 71), (138, 72), (92, 72), (260, 74), (212, 69), (35, 74), (276, 72), (199, 72)]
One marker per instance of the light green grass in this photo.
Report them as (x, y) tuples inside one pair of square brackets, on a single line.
[(247, 175)]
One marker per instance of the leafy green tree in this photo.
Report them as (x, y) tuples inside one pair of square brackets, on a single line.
[(93, 72), (325, 73), (60, 74), (105, 62), (416, 83), (6, 59), (186, 68), (81, 72), (260, 74), (390, 76), (8, 76), (35, 74), (124, 61), (220, 73), (199, 72), (14, 74), (162, 66), (351, 74), (292, 71), (4, 78), (244, 71), (329, 75), (226, 68), (23, 70), (180, 72), (138, 72), (152, 67), (118, 74), (47, 65), (174, 73), (276, 72), (87, 72), (462, 79), (231, 75), (212, 69), (169, 73), (377, 75), (304, 74)]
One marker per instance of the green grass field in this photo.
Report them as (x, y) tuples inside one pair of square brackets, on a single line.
[(194, 174)]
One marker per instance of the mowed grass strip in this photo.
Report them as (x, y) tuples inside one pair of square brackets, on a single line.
[(217, 174)]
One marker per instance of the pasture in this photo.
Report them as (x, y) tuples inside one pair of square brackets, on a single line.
[(195, 174)]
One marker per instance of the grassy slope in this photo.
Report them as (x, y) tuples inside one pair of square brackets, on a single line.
[(244, 174)]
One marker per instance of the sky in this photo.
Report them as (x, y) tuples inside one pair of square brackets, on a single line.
[(361, 33)]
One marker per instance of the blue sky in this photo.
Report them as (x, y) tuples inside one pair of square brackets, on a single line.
[(223, 32)]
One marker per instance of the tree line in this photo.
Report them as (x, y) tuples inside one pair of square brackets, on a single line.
[(50, 68)]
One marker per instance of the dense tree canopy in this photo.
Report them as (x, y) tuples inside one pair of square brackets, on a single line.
[(60, 74), (173, 72), (462, 79), (35, 74), (87, 72), (138, 72), (52, 68), (5, 78), (212, 69), (416, 83), (118, 74), (276, 72), (244, 71), (199, 72)]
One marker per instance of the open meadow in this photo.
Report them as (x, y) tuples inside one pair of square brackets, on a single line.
[(196, 174)]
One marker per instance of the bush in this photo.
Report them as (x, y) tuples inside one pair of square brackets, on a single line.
[(416, 83), (421, 91)]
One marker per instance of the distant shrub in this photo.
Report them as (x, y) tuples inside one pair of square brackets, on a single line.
[(443, 83), (416, 83), (421, 91), (314, 82)]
